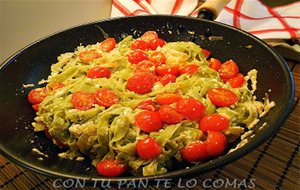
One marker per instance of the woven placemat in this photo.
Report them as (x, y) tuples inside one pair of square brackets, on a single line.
[(274, 165)]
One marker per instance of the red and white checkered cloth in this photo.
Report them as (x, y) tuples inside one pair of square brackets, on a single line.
[(253, 16)]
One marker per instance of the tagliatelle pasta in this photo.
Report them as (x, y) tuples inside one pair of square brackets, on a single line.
[(143, 104)]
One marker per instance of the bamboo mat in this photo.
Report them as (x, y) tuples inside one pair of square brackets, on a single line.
[(274, 165)]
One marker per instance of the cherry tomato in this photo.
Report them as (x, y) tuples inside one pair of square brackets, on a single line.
[(141, 83), (137, 56), (166, 79), (167, 69), (195, 152), (157, 43), (192, 109), (148, 121), (229, 69), (110, 168), (158, 58), (237, 81), (169, 115), (145, 66), (108, 45), (222, 97), (106, 98), (147, 105), (83, 100), (216, 143), (98, 72), (215, 64), (213, 122), (149, 36), (167, 98), (206, 52), (37, 95), (88, 56), (55, 85), (148, 148), (140, 44), (189, 69), (36, 107)]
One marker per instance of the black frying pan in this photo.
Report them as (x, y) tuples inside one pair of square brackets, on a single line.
[(32, 64)]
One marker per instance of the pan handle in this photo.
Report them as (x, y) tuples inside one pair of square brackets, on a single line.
[(211, 9)]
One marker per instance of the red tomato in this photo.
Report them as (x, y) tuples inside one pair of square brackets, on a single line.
[(215, 64), (140, 44), (167, 69), (88, 56), (213, 122), (108, 45), (83, 100), (157, 43), (141, 83), (37, 95), (106, 98), (146, 67), (110, 168), (216, 143), (189, 69), (169, 115), (98, 72), (222, 97), (149, 36), (166, 79), (237, 81), (229, 69), (158, 58), (206, 52), (167, 98), (148, 148), (147, 105), (137, 56), (192, 109), (148, 121), (36, 107), (195, 152), (55, 85)]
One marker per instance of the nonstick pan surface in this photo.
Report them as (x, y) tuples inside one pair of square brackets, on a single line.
[(31, 64)]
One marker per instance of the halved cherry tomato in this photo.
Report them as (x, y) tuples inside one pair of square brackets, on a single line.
[(140, 44), (169, 115), (149, 36), (222, 97), (157, 43), (167, 69), (206, 52), (166, 79), (215, 64), (83, 100), (106, 98), (148, 121), (55, 85), (147, 105), (148, 148), (195, 152), (213, 122), (145, 66), (137, 56), (216, 143), (189, 69), (108, 45), (237, 81), (98, 72), (229, 69), (141, 83), (88, 56), (192, 109), (36, 107), (167, 98), (110, 168), (37, 95), (158, 58)]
